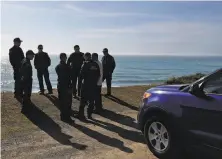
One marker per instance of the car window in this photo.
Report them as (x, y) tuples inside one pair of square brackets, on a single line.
[(214, 85)]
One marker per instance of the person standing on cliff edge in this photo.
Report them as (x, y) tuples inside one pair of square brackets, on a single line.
[(75, 60), (42, 61), (16, 55), (109, 65)]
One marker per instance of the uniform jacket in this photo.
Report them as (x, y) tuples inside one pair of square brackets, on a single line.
[(26, 70), (42, 60), (76, 60), (16, 56), (108, 63), (89, 74), (63, 71)]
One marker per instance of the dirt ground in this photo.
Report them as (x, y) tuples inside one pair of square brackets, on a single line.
[(41, 134)]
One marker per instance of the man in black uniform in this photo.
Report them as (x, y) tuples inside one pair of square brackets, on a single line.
[(109, 65), (26, 80), (75, 61), (16, 56), (89, 74), (42, 62), (64, 88)]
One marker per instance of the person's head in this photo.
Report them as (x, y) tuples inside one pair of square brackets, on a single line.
[(40, 48), (105, 51), (95, 57), (87, 56), (63, 57), (30, 54), (17, 41), (76, 48)]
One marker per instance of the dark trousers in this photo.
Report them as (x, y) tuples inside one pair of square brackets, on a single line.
[(98, 99), (65, 101), (108, 78), (26, 89), (17, 78), (87, 98), (75, 77), (44, 73)]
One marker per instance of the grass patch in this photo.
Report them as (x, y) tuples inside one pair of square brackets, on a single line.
[(184, 79)]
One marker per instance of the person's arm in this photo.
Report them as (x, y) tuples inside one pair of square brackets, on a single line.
[(11, 58), (69, 61), (36, 61), (113, 64), (48, 59), (22, 54), (82, 72), (24, 72)]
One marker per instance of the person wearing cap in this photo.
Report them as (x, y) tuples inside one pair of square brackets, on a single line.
[(89, 76), (76, 60), (98, 99), (26, 80), (42, 62), (64, 88), (109, 65), (16, 56)]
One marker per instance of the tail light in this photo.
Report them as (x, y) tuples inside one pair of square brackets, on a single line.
[(146, 95)]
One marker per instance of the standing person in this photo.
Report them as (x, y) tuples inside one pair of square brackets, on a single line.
[(109, 65), (26, 80), (16, 56), (98, 100), (75, 61), (89, 74), (64, 88), (42, 62)]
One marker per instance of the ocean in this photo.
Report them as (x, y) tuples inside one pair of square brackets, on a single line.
[(130, 70)]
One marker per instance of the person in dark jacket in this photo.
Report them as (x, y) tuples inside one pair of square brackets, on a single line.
[(89, 76), (109, 65), (42, 62), (64, 88), (16, 56), (75, 60), (26, 80)]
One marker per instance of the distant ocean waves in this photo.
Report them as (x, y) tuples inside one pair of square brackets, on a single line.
[(130, 70)]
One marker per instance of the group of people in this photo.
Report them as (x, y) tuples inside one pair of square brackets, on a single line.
[(84, 68)]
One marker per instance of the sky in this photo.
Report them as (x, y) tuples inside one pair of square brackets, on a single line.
[(125, 28)]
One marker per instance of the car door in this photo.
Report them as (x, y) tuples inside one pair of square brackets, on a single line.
[(202, 116)]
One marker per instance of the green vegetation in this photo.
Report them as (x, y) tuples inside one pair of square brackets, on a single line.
[(184, 79)]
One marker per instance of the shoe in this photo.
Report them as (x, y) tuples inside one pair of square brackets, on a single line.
[(89, 116), (68, 120), (50, 92), (81, 117), (41, 93)]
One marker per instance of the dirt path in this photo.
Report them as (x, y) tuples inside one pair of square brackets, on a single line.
[(42, 135)]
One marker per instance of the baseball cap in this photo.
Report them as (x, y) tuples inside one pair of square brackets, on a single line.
[(17, 40)]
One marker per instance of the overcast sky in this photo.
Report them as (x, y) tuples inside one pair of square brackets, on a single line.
[(126, 28)]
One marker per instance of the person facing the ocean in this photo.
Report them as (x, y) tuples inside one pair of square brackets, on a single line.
[(75, 60), (26, 80), (64, 88), (109, 65), (42, 62), (89, 74), (98, 99), (16, 56)]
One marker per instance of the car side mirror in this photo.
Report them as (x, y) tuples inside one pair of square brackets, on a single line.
[(197, 90)]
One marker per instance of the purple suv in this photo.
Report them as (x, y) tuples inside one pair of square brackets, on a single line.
[(176, 117)]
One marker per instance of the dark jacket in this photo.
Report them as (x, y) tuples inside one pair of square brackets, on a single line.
[(89, 74), (63, 71), (76, 60), (26, 70), (16, 56), (108, 63), (42, 60)]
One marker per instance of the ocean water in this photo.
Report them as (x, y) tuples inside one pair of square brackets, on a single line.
[(130, 70)]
